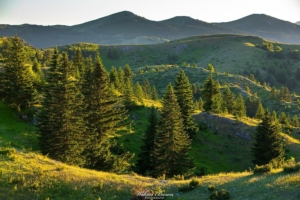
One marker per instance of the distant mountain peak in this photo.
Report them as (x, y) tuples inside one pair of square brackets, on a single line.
[(124, 13), (181, 20), (298, 23)]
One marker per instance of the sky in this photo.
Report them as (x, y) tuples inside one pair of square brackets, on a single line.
[(71, 12)]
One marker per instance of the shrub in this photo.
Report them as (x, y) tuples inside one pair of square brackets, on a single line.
[(219, 195), (178, 177), (262, 169), (291, 167), (98, 187), (157, 190), (194, 183), (211, 188)]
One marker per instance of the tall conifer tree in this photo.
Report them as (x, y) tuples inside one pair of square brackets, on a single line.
[(18, 89), (104, 116), (185, 101), (217, 104), (229, 98), (145, 163), (146, 88), (61, 119), (268, 144), (114, 79), (172, 143), (239, 107), (78, 62), (210, 89), (260, 111), (121, 77)]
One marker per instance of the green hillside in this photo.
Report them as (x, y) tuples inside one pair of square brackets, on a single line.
[(26, 174), (235, 54), (221, 148)]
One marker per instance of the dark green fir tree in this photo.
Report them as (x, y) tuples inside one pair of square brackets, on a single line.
[(18, 90), (239, 107), (172, 143), (154, 93), (185, 101), (114, 78), (268, 143), (228, 99), (146, 89), (78, 62), (103, 116), (217, 104), (210, 89), (61, 123), (260, 112), (145, 163)]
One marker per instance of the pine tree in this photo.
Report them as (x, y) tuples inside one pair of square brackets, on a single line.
[(200, 104), (210, 89), (185, 101), (268, 144), (154, 93), (284, 94), (282, 118), (61, 122), (146, 88), (114, 79), (247, 89), (239, 107), (260, 112), (145, 163), (273, 94), (18, 89), (78, 62), (127, 73), (128, 100), (251, 104), (229, 99), (295, 121), (38, 75), (138, 92), (210, 67), (104, 116), (172, 143), (121, 77), (217, 104)]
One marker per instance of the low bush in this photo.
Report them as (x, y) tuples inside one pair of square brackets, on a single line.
[(262, 169), (219, 195), (194, 183), (211, 188), (178, 177), (292, 167)]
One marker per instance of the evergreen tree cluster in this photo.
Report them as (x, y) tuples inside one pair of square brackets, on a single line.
[(217, 102), (121, 81), (80, 115), (280, 95), (17, 85), (168, 139)]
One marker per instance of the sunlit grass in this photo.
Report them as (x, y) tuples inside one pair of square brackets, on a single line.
[(249, 44)]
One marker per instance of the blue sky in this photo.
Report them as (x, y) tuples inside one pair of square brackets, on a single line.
[(70, 12)]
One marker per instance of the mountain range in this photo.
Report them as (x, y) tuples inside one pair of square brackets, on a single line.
[(128, 28)]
